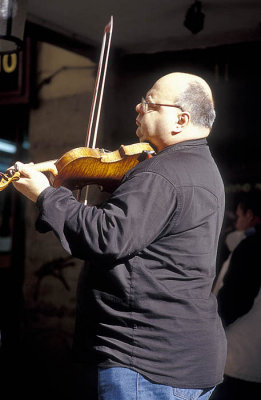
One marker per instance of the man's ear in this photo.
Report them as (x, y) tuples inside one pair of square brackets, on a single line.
[(182, 122)]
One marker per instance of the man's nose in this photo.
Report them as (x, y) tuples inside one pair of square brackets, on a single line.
[(139, 108)]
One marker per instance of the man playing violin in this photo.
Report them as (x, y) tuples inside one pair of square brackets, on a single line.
[(146, 321)]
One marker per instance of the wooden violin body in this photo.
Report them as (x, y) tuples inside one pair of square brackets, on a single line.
[(85, 166)]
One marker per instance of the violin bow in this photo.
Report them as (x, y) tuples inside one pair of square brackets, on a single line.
[(101, 73), (98, 92)]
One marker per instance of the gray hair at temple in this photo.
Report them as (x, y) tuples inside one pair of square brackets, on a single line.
[(197, 101)]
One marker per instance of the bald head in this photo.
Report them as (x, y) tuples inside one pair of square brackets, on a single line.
[(191, 93), (178, 107)]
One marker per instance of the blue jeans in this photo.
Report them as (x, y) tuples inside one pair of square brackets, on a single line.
[(124, 384)]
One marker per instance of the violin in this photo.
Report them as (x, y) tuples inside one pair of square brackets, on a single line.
[(85, 166), (89, 165)]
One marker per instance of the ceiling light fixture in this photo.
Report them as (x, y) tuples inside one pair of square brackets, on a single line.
[(12, 23), (194, 19)]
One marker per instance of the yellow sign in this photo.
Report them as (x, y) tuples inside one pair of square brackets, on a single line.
[(8, 63)]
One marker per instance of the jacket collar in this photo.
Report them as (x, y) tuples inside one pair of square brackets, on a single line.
[(187, 143)]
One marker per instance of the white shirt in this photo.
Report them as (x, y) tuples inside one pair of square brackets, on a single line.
[(244, 345)]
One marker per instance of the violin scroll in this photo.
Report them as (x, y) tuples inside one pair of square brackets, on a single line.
[(12, 174), (9, 176)]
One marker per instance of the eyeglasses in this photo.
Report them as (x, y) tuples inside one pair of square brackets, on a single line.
[(145, 105)]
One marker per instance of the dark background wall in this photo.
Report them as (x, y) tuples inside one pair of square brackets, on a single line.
[(233, 72)]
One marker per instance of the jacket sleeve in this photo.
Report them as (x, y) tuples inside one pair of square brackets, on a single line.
[(138, 211)]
